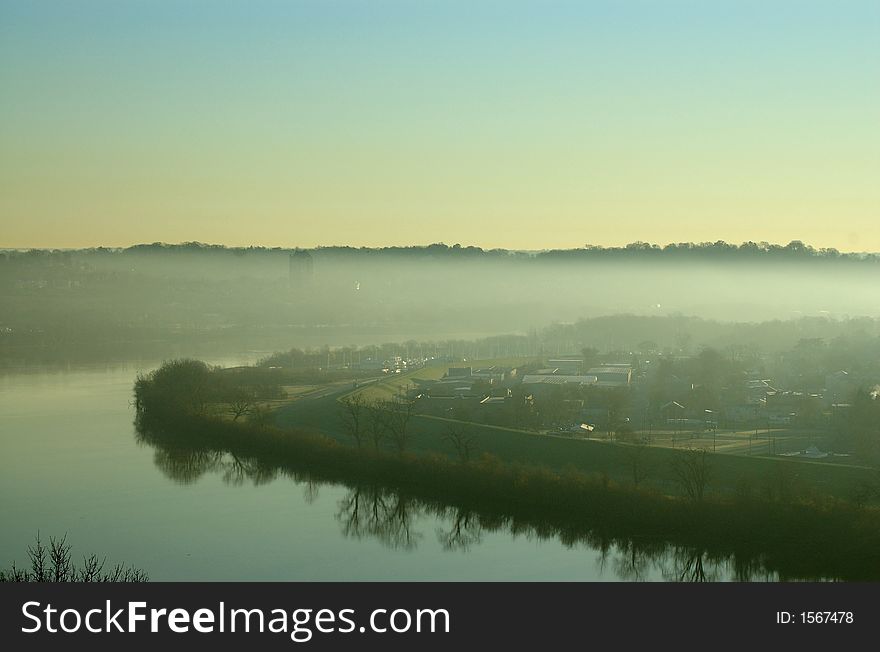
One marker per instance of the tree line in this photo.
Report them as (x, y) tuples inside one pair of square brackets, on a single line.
[(375, 422), (794, 250)]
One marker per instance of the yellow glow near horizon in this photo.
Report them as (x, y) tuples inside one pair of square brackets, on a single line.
[(611, 123)]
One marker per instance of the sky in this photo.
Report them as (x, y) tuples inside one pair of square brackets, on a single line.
[(523, 125)]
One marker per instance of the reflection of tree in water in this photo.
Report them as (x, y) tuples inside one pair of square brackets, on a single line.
[(749, 570), (311, 486), (604, 548), (185, 465), (366, 511), (689, 565), (464, 531), (311, 489), (633, 561), (238, 469)]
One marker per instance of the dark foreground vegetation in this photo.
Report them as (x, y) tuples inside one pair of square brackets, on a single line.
[(54, 563), (795, 539)]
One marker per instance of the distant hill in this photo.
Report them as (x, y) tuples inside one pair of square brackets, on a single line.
[(703, 251)]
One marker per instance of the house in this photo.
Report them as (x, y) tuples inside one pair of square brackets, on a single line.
[(558, 379), (567, 366), (612, 375), (758, 389), (490, 374)]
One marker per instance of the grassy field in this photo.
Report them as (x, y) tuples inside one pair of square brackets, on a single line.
[(773, 477)]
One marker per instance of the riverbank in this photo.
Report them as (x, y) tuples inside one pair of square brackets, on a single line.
[(795, 540)]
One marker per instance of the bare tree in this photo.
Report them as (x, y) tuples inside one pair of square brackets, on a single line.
[(691, 470), (355, 416), (399, 415), (240, 402), (377, 423), (55, 564), (463, 442), (636, 455)]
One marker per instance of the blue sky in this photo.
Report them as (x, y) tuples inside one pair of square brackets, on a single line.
[(404, 122)]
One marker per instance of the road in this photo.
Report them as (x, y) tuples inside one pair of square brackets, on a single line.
[(318, 410)]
